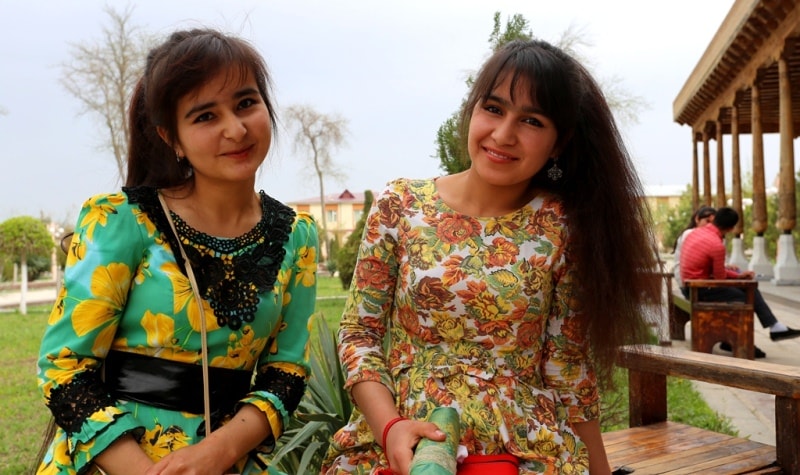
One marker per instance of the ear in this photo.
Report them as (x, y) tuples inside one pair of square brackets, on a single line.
[(162, 132)]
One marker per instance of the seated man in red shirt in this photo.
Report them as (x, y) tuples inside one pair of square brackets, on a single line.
[(703, 257)]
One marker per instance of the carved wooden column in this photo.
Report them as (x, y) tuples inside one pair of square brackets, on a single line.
[(759, 262), (787, 270), (706, 168), (695, 174), (737, 256), (720, 201)]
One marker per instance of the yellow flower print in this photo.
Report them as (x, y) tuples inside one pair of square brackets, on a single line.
[(545, 443), (66, 366), (307, 266), (184, 298), (58, 308), (98, 213), (105, 415), (160, 329), (241, 351), (76, 251), (142, 218), (160, 442), (110, 288)]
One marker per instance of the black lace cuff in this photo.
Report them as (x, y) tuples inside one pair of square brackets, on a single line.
[(74, 402), (288, 387)]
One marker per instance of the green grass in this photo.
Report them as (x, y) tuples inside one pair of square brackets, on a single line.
[(23, 415), (22, 411)]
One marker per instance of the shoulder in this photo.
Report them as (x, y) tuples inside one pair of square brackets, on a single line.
[(304, 224), (409, 190)]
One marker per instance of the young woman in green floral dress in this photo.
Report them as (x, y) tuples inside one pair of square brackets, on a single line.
[(120, 366), (505, 290)]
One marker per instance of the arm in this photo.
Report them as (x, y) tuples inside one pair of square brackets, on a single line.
[(283, 368), (589, 432), (567, 366), (362, 335), (101, 265)]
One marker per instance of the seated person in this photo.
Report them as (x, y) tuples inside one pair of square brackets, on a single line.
[(703, 257), (703, 216)]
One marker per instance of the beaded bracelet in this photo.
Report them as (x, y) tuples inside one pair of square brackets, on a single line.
[(389, 426)]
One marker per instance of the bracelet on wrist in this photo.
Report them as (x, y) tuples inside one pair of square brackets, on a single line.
[(389, 426)]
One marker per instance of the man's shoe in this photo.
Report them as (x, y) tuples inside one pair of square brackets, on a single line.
[(725, 346), (784, 335)]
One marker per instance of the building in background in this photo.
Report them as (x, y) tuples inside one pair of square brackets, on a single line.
[(342, 212)]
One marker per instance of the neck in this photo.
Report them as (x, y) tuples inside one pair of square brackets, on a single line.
[(222, 211), (479, 198)]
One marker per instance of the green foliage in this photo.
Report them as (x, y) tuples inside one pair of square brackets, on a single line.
[(24, 236), (670, 223), (516, 28), (325, 408), (346, 257), (24, 414), (451, 147), (333, 246)]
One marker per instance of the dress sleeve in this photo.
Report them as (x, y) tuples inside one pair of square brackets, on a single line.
[(369, 304), (566, 364), (283, 369), (105, 252)]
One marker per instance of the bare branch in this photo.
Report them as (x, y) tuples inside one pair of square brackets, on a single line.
[(316, 136), (101, 75)]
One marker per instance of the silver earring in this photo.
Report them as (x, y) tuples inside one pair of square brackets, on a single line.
[(554, 173), (178, 157)]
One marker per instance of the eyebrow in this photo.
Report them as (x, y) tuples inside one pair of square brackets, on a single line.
[(247, 91), (506, 103)]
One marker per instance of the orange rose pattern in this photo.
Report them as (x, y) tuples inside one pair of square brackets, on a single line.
[(480, 316)]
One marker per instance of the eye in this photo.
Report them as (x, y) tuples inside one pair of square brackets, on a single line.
[(204, 117), (534, 122), (247, 102), (492, 109)]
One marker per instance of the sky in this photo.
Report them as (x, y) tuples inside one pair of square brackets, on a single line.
[(394, 69)]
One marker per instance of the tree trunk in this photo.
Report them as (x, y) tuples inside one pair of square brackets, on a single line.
[(23, 288)]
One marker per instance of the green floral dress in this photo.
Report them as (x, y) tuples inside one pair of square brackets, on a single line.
[(480, 316), (125, 289)]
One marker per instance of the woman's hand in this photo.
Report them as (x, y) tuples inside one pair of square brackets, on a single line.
[(198, 459), (402, 439)]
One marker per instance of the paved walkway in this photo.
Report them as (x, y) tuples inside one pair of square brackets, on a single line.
[(751, 413)]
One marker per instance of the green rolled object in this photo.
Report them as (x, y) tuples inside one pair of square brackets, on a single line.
[(439, 458)]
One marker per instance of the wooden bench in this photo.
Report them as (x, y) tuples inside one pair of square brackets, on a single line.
[(653, 445), (713, 322)]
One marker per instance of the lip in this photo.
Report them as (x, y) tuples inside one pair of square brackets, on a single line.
[(239, 153), (497, 156)]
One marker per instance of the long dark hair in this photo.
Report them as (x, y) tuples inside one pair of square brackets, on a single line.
[(183, 63), (611, 242)]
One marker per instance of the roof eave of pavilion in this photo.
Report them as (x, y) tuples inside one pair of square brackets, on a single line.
[(690, 97)]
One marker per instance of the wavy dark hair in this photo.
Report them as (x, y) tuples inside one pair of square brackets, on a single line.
[(180, 65), (611, 241)]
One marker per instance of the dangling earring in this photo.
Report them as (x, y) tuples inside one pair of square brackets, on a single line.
[(178, 157), (554, 173)]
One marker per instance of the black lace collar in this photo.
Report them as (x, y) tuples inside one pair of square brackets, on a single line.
[(231, 273)]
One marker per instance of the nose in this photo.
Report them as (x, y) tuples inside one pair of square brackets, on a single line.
[(505, 131), (234, 128)]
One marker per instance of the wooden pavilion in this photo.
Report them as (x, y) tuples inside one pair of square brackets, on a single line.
[(748, 82)]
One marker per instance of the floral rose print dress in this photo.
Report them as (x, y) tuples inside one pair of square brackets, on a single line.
[(479, 313), (126, 291)]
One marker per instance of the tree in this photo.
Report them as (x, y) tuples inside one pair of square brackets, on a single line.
[(316, 135), (102, 75), (348, 254), (23, 238), (450, 145)]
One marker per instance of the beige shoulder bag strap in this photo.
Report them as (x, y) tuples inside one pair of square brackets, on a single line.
[(203, 339)]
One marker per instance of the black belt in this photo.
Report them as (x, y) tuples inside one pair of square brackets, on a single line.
[(173, 385)]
